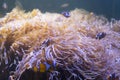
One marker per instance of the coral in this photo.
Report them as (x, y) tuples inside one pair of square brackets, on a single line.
[(63, 48)]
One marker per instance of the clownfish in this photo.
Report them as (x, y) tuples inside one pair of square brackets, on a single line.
[(43, 67)]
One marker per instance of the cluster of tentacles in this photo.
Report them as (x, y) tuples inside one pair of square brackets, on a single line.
[(50, 46)]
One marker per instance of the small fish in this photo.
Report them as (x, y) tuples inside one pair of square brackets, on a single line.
[(64, 5), (66, 14), (5, 6), (100, 35), (43, 67)]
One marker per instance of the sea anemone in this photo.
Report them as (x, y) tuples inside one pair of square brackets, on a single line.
[(59, 48)]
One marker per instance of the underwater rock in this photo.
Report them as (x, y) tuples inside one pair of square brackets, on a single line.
[(34, 45)]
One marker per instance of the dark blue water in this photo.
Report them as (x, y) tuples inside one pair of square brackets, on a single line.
[(108, 8)]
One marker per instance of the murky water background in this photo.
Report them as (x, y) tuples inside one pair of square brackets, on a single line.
[(108, 8)]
